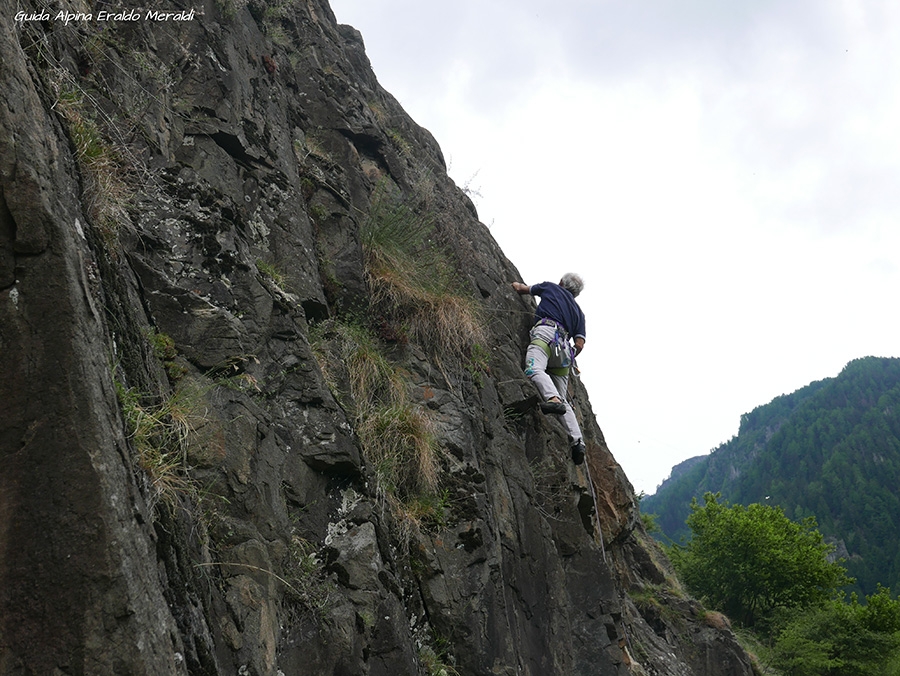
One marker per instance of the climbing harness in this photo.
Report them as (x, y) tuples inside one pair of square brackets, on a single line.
[(560, 353)]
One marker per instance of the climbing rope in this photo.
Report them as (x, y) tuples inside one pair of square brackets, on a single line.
[(596, 517)]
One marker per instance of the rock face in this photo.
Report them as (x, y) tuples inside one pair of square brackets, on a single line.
[(188, 483)]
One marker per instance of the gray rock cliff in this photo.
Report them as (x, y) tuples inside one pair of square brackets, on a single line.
[(241, 432)]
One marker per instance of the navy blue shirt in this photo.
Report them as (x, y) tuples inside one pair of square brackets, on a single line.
[(559, 305)]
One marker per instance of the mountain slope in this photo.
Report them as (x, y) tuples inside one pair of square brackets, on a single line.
[(262, 408), (830, 450)]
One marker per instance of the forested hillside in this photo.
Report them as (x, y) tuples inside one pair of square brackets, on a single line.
[(829, 450)]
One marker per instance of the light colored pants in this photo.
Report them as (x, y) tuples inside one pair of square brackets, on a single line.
[(538, 359)]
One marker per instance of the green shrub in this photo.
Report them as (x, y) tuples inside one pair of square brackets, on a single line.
[(842, 639), (749, 561)]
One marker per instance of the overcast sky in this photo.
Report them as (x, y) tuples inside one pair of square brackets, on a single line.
[(725, 175)]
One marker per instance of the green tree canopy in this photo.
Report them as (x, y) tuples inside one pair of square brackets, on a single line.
[(843, 639), (747, 561)]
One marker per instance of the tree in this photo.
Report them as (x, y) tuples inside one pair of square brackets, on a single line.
[(843, 639), (747, 561)]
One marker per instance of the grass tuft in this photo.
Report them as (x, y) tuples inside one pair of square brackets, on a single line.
[(396, 435), (305, 578), (272, 272), (435, 664), (164, 436), (399, 441), (105, 192), (414, 284)]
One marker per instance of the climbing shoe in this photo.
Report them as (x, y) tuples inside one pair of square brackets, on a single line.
[(555, 407), (578, 452)]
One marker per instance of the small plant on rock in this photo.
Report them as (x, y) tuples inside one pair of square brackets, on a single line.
[(163, 435), (400, 443), (414, 284), (396, 435), (105, 192), (304, 576), (271, 272), (164, 349), (436, 659)]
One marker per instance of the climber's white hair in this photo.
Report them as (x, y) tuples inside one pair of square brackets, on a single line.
[(572, 282)]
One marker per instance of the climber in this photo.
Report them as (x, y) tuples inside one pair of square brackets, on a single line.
[(550, 353)]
